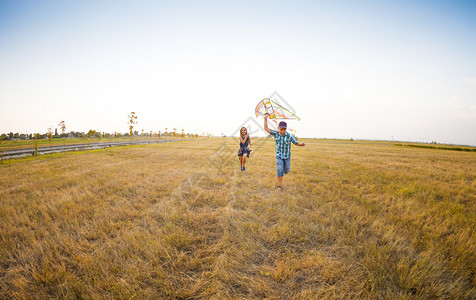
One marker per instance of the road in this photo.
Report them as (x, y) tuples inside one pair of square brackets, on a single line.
[(7, 154)]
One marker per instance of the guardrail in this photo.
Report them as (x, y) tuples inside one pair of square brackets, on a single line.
[(15, 153)]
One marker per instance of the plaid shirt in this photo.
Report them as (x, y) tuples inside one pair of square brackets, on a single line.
[(283, 144)]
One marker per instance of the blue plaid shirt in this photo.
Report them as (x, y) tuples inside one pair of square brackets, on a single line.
[(283, 144)]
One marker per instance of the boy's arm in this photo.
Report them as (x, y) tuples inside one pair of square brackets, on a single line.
[(295, 142), (266, 123)]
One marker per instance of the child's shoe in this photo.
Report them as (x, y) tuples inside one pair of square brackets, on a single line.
[(244, 169)]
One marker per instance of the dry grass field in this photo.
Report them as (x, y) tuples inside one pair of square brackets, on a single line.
[(181, 221)]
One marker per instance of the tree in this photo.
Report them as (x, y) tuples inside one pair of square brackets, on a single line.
[(62, 125), (132, 121), (92, 133), (49, 133)]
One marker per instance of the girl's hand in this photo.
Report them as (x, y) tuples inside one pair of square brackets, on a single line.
[(266, 115)]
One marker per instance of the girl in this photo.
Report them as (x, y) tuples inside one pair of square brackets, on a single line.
[(244, 151)]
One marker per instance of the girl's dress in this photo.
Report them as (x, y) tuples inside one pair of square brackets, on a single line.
[(244, 148)]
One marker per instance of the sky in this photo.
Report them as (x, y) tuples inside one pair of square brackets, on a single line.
[(380, 70)]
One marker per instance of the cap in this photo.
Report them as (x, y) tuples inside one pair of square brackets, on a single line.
[(282, 124)]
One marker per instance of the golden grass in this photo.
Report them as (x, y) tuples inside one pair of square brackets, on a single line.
[(180, 221)]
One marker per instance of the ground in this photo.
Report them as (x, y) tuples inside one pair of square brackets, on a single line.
[(355, 219)]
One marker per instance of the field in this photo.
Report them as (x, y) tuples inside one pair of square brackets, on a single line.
[(180, 221)]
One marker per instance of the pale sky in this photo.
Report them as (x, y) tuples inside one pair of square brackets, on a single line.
[(401, 70)]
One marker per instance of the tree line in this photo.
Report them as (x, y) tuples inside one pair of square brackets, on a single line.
[(94, 133), (90, 134)]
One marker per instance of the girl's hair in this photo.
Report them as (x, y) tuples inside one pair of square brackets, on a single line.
[(241, 133)]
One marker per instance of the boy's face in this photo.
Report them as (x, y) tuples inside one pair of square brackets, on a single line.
[(282, 130)]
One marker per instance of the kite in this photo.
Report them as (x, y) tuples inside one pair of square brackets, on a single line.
[(275, 112)]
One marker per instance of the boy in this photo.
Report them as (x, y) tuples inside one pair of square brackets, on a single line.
[(283, 148)]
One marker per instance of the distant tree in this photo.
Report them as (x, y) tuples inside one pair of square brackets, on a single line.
[(56, 131), (62, 125), (49, 133), (132, 121), (93, 133), (37, 136)]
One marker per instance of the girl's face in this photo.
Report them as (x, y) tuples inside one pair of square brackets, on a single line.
[(243, 131)]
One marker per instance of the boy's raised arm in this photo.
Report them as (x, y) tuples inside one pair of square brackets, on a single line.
[(266, 123)]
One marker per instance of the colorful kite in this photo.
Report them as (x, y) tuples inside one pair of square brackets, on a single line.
[(275, 111)]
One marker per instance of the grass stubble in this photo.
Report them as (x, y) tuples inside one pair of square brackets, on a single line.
[(354, 220)]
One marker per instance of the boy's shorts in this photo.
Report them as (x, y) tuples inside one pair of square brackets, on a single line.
[(284, 166)]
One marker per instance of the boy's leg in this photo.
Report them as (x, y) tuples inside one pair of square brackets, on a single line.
[(287, 166), (280, 170)]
